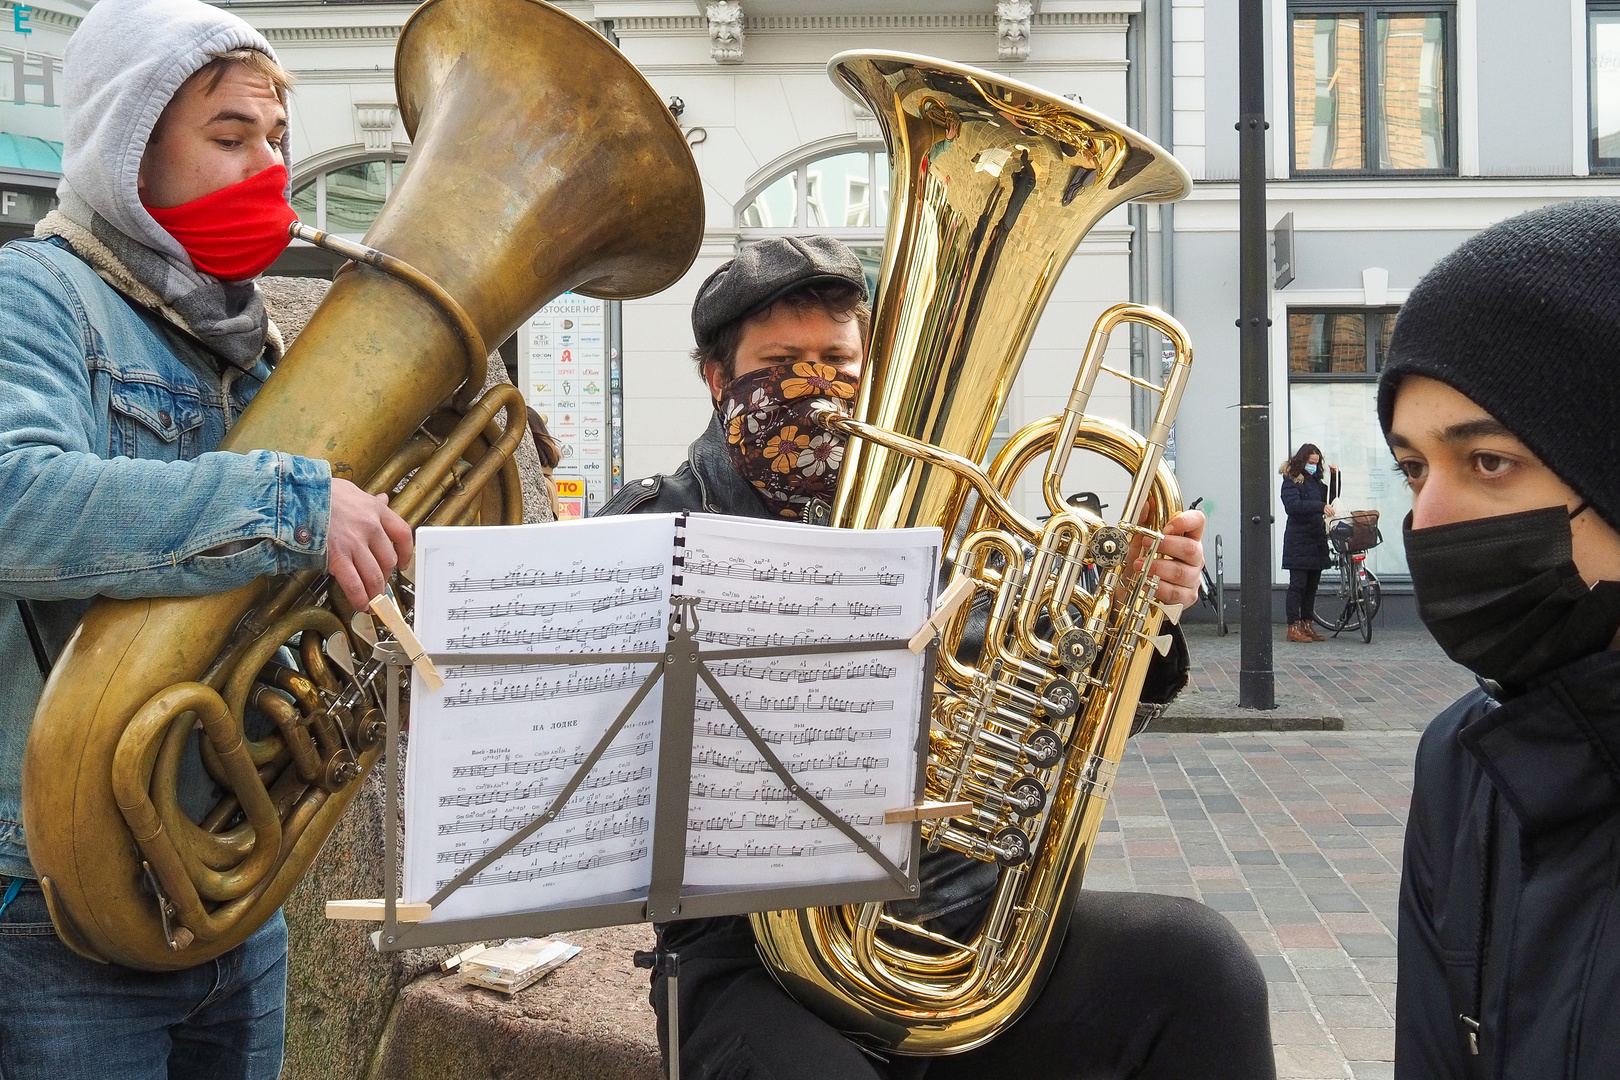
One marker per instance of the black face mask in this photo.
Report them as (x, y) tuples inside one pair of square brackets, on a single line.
[(1502, 595)]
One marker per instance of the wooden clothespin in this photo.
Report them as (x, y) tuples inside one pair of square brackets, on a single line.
[(953, 598), (372, 910), (927, 811), (383, 606)]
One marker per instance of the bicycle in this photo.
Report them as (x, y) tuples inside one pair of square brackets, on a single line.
[(1357, 595), (1213, 590)]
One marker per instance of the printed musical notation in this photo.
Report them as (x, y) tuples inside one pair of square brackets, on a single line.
[(745, 669), (711, 729), (536, 579), (794, 593), (756, 605), (736, 571), (805, 703), (496, 748)]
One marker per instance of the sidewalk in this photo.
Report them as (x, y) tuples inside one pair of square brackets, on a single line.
[(1296, 838), (1396, 683)]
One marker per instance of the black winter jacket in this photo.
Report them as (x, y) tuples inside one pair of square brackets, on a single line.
[(1508, 888), (1305, 543)]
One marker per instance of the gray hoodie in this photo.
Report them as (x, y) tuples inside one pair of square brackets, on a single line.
[(120, 69)]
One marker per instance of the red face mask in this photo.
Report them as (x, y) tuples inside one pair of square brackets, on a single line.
[(236, 232)]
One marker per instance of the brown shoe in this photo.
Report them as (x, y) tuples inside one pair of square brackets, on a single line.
[(1296, 633), (1310, 628)]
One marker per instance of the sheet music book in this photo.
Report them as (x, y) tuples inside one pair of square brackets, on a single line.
[(493, 749)]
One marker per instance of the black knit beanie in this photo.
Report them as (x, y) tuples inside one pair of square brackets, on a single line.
[(1524, 320)]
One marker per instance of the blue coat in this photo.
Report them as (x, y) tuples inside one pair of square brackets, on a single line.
[(1305, 543)]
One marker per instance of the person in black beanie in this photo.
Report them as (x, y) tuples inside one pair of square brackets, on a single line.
[(1500, 400)]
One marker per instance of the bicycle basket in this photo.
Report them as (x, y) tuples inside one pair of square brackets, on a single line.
[(1359, 531)]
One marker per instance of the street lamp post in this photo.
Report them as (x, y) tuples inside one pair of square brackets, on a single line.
[(1256, 681)]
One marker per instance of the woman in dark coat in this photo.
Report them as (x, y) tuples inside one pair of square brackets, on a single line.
[(1305, 543)]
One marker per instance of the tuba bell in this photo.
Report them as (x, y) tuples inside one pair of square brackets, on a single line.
[(563, 171), (994, 185)]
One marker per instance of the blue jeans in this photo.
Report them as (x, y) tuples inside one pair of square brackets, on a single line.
[(63, 1017)]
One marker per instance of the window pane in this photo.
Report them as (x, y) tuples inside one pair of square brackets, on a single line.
[(777, 207), (303, 204), (838, 191), (1328, 131), (398, 169), (1412, 60), (1605, 60), (1327, 343), (1342, 418), (884, 181), (1383, 329), (354, 196)]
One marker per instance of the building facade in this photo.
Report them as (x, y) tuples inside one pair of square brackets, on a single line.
[(1398, 129)]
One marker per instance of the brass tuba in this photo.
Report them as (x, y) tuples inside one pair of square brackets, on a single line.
[(542, 161), (994, 185)]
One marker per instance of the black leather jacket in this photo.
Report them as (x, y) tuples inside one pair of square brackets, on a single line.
[(954, 887), (1509, 887)]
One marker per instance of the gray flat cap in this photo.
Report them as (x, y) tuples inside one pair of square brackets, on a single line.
[(765, 272)]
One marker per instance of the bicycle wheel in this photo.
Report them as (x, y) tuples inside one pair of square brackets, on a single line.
[(1220, 588), (1345, 613), (1370, 597)]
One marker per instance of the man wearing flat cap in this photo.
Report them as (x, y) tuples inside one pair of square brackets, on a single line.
[(1146, 986)]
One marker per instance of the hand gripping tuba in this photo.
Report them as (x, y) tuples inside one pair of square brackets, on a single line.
[(995, 183), (542, 161)]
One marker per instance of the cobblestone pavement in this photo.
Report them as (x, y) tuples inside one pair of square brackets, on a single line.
[(1398, 682), (1296, 838)]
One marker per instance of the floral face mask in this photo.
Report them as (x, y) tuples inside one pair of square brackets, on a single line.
[(773, 441)]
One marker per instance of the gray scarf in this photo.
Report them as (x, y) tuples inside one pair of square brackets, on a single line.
[(227, 317)]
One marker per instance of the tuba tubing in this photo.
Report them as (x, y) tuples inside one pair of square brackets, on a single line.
[(995, 183), (489, 211)]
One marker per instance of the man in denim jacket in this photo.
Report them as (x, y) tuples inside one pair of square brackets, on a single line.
[(131, 337)]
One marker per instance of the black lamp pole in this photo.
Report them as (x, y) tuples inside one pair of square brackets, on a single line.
[(1256, 682)]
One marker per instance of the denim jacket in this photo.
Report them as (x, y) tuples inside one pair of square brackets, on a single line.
[(109, 483)]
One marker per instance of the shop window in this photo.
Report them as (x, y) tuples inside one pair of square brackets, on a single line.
[(1334, 357), (1373, 88), (1603, 85), (347, 199)]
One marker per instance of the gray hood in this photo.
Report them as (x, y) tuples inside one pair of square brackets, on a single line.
[(120, 69)]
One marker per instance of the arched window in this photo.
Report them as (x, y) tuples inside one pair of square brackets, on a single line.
[(844, 194), (347, 199)]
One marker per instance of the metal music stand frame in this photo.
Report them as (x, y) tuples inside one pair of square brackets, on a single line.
[(681, 666)]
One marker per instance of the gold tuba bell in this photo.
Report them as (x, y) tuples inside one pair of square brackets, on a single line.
[(994, 185), (542, 161)]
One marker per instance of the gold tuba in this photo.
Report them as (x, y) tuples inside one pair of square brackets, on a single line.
[(994, 185), (542, 161)]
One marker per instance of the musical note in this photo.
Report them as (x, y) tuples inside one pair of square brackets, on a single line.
[(720, 730), (568, 866), (495, 638), (515, 608), (751, 850), (762, 641), (536, 579), (549, 761), (744, 764), (572, 686), (777, 793), (759, 606), (593, 807), (542, 790), (623, 827), (699, 565), (744, 669), (759, 820), (808, 703)]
